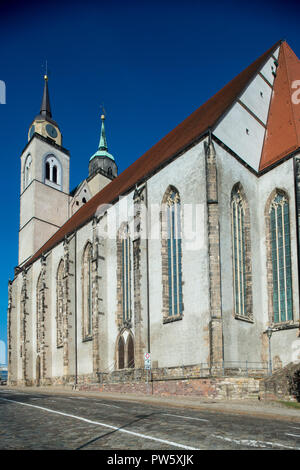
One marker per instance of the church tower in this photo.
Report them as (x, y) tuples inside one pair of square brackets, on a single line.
[(102, 165), (102, 170), (44, 199)]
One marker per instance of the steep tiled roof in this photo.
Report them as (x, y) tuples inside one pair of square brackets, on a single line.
[(283, 126), (185, 134)]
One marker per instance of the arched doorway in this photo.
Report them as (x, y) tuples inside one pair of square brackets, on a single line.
[(130, 352), (38, 370), (121, 353)]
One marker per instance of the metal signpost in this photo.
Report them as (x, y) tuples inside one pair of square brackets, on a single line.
[(147, 366)]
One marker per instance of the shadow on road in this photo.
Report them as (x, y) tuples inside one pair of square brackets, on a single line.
[(141, 417)]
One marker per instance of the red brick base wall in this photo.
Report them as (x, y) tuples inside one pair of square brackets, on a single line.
[(218, 388)]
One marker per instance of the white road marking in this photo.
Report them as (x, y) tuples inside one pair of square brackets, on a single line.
[(253, 443), (293, 435), (186, 417), (132, 433)]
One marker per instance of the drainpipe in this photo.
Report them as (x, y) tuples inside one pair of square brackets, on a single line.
[(297, 208), (75, 311), (148, 297), (147, 269)]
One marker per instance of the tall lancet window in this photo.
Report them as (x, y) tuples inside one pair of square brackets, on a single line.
[(281, 258), (126, 272), (59, 304), (172, 255), (39, 314), (87, 292), (240, 221)]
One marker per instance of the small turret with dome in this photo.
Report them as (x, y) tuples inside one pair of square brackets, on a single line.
[(102, 161), (43, 124)]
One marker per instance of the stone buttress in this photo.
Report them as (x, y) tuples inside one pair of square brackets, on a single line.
[(215, 326)]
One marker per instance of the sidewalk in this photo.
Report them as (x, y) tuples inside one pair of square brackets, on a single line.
[(257, 408)]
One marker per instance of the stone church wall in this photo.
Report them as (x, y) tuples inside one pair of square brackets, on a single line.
[(185, 341), (174, 343), (285, 345), (245, 340)]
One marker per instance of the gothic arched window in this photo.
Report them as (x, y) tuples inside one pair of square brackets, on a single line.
[(280, 251), (171, 255), (240, 226), (39, 313), (59, 304), (125, 271), (87, 307)]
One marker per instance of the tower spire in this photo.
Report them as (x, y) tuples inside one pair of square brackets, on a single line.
[(102, 148), (43, 124), (45, 110), (102, 161), (102, 142)]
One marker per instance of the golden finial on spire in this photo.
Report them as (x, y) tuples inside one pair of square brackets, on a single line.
[(46, 71), (103, 112)]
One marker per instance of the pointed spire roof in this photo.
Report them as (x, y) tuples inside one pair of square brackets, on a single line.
[(102, 149), (102, 142), (45, 106), (45, 111), (283, 126)]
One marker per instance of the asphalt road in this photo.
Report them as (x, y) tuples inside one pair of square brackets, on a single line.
[(40, 421)]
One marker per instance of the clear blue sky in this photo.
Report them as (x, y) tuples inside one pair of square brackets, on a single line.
[(151, 63)]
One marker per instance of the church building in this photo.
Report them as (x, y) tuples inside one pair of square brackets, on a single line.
[(191, 254)]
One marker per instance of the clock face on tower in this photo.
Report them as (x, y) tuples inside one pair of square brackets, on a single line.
[(51, 131), (31, 132)]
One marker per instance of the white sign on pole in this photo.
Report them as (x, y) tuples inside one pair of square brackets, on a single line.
[(147, 361)]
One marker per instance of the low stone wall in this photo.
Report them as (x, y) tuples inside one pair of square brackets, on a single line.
[(186, 372), (196, 380), (216, 388), (283, 384)]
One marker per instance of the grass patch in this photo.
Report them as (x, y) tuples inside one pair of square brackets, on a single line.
[(290, 404)]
